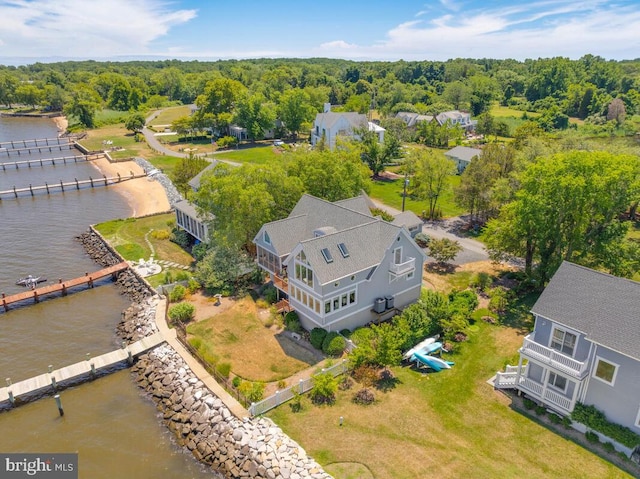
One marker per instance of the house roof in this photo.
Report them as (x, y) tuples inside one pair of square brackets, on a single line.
[(406, 219), (463, 153), (604, 307), (453, 115), (187, 208), (412, 119), (330, 118), (194, 182)]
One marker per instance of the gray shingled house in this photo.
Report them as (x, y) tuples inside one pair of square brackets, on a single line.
[(339, 266), (462, 156), (585, 346), (329, 125)]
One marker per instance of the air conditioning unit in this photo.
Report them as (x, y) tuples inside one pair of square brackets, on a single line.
[(389, 301), (379, 305)]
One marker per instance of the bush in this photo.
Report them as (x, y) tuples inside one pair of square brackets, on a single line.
[(236, 381), (607, 446), (223, 369), (422, 240), (345, 383), (540, 410), (366, 375), (270, 294), (177, 293), (364, 397), (528, 403), (253, 391), (183, 276), (566, 422), (554, 418), (596, 420), (592, 437), (499, 299), (317, 336), (382, 214), (168, 277), (193, 286), (335, 346), (183, 312), (292, 322), (346, 333), (161, 234), (481, 281), (227, 141), (181, 238)]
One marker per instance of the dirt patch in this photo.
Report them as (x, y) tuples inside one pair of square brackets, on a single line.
[(440, 280)]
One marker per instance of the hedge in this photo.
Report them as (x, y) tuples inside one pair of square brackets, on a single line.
[(595, 419)]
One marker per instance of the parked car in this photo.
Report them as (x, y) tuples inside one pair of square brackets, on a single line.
[(278, 142)]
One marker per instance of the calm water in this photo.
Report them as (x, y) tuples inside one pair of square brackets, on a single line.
[(114, 429)]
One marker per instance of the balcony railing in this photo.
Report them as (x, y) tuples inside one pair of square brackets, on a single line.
[(507, 379), (280, 282), (553, 358), (402, 268), (546, 395)]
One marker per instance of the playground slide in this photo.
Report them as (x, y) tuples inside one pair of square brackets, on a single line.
[(434, 363), (419, 346)]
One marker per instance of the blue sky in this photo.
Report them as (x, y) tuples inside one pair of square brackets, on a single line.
[(351, 29)]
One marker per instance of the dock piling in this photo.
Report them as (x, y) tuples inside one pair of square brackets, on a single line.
[(59, 404)]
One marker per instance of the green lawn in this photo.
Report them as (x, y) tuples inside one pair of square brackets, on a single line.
[(169, 115), (260, 154), (446, 424), (390, 193)]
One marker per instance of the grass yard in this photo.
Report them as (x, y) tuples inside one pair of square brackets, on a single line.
[(169, 115), (129, 237), (260, 154), (390, 193), (447, 424), (120, 138), (240, 337)]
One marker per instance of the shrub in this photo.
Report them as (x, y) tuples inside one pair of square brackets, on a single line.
[(566, 422), (183, 276), (596, 420), (180, 237), (540, 410), (345, 332), (324, 389), (270, 294), (554, 418), (499, 299), (316, 337), (223, 369), (253, 391), (168, 277), (183, 312), (607, 446), (292, 322), (382, 214), (366, 375), (335, 346), (296, 402), (226, 141), (193, 286), (364, 397), (528, 403), (281, 384), (481, 281), (345, 383), (161, 234), (198, 251), (592, 437), (177, 293), (422, 240), (237, 380)]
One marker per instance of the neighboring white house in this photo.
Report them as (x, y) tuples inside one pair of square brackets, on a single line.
[(462, 156), (186, 215), (330, 125), (339, 266), (456, 117), (412, 119), (585, 346)]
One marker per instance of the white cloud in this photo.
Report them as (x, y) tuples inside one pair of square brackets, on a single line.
[(538, 29), (82, 28)]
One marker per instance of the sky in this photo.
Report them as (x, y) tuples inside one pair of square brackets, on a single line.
[(54, 30)]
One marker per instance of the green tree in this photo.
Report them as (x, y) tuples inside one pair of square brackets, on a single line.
[(135, 122), (185, 170), (255, 114), (431, 174), (294, 109), (219, 100), (29, 94), (8, 85), (223, 268), (324, 389), (568, 207), (83, 105), (377, 156), (444, 250), (387, 344)]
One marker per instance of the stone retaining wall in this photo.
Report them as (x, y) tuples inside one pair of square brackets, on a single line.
[(253, 447)]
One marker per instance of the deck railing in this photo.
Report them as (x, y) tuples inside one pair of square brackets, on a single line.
[(553, 358), (404, 267)]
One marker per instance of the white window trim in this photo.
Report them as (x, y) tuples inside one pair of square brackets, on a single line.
[(411, 275), (595, 369), (637, 423), (553, 386), (565, 331), (265, 237)]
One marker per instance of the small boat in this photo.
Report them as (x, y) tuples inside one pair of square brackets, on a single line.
[(30, 281)]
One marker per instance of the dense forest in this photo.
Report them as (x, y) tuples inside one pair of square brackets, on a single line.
[(591, 89)]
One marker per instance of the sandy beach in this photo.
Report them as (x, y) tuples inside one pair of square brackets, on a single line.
[(145, 195)]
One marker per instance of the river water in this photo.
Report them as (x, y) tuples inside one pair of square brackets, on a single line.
[(114, 429)]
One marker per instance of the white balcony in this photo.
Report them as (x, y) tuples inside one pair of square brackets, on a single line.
[(553, 358), (403, 268), (546, 395)]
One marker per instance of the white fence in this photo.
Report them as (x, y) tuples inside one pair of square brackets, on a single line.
[(286, 394)]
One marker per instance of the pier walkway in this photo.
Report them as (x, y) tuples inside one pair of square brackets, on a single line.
[(104, 181), (50, 161), (90, 366), (13, 144), (62, 286)]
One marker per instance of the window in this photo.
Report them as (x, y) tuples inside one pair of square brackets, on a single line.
[(352, 297), (344, 300), (557, 381), (410, 275), (327, 307), (266, 238), (336, 303), (397, 255), (638, 418), (343, 250), (304, 273), (605, 371), (326, 254), (563, 341)]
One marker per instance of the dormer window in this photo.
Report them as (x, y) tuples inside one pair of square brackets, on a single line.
[(265, 237)]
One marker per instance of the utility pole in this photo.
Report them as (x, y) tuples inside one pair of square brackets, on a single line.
[(404, 191)]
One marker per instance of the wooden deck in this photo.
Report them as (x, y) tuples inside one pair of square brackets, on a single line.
[(35, 142), (35, 149), (89, 367), (60, 160), (62, 286)]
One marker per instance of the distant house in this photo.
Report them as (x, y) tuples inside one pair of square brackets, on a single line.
[(462, 156), (585, 346), (456, 117), (329, 125), (338, 266), (412, 119)]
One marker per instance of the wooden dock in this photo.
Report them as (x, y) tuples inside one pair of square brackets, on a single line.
[(88, 369), (48, 188), (62, 286), (36, 149), (60, 160), (13, 144)]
